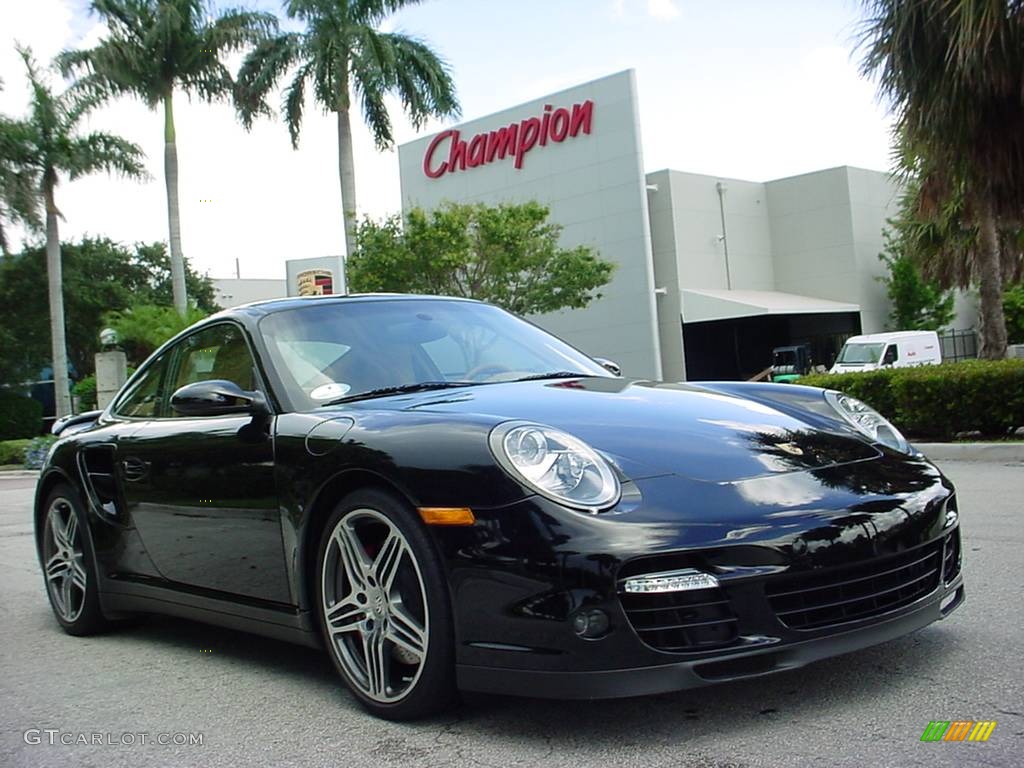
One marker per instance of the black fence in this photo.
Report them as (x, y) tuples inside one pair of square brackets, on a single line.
[(958, 345)]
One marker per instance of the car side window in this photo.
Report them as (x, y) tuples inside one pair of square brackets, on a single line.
[(217, 352), (144, 399), (892, 354)]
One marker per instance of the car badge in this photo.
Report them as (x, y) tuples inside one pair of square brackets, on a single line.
[(791, 448)]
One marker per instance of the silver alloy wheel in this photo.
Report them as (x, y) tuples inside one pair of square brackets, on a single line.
[(64, 560), (375, 605)]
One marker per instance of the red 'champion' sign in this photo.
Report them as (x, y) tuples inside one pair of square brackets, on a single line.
[(513, 141)]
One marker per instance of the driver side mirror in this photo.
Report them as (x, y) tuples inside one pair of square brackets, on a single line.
[(217, 397), (609, 365)]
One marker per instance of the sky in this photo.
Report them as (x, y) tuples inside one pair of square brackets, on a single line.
[(734, 88)]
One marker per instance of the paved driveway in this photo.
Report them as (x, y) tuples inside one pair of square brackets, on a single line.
[(261, 702)]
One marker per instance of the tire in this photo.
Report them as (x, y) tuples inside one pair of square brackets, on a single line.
[(382, 595), (69, 565)]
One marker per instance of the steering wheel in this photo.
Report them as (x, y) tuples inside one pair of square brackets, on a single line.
[(491, 369)]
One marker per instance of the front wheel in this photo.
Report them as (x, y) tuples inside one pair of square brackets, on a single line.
[(384, 607), (67, 560)]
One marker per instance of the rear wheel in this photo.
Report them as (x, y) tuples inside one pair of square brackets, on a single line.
[(384, 607), (68, 565)]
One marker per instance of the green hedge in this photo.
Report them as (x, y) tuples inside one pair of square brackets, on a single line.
[(20, 416), (939, 401), (13, 451)]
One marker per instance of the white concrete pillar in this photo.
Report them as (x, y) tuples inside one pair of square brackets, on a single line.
[(111, 374)]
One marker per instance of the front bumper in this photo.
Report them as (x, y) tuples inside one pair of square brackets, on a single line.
[(664, 678), (871, 554)]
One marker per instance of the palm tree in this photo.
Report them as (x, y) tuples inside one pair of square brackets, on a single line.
[(943, 240), (342, 55), (53, 147), (954, 75), (154, 48), (18, 200)]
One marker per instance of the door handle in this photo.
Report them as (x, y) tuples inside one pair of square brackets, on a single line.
[(134, 468)]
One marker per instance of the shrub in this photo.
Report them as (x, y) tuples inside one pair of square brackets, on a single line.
[(20, 416), (13, 451), (940, 401), (85, 389), (35, 452)]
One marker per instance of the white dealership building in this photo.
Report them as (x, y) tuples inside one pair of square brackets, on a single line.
[(711, 273)]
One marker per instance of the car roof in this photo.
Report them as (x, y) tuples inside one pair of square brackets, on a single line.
[(291, 302), (895, 335), (256, 309)]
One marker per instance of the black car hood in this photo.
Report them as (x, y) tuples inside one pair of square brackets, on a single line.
[(650, 428)]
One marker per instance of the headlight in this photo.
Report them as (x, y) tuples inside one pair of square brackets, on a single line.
[(556, 465), (867, 421)]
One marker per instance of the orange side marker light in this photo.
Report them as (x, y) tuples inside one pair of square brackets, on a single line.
[(447, 515)]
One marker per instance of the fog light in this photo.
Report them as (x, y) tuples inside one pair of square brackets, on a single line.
[(590, 623), (671, 581), (948, 600)]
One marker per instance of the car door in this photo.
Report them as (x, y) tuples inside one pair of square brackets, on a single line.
[(200, 490)]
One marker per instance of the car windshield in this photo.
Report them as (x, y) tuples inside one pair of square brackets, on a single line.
[(331, 350), (860, 353)]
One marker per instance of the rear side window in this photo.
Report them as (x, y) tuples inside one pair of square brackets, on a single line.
[(144, 398)]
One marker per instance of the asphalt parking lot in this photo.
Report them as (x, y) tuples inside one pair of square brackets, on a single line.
[(261, 702)]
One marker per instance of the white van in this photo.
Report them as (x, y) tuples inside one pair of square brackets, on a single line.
[(901, 349)]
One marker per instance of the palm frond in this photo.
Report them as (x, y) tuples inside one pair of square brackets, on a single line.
[(422, 80), (371, 93), (294, 101), (260, 71), (372, 12), (19, 179), (106, 152), (237, 28), (211, 83)]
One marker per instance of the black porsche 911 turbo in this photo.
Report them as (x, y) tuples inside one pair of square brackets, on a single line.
[(447, 497)]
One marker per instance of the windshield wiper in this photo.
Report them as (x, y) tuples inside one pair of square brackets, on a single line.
[(420, 386), (557, 375)]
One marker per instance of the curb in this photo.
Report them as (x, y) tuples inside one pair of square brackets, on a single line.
[(19, 473), (972, 451)]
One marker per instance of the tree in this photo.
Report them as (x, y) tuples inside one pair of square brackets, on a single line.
[(54, 148), (99, 276), (144, 327), (153, 282), (507, 255), (343, 55), (917, 304), (954, 75), (154, 48), (944, 243), (18, 193)]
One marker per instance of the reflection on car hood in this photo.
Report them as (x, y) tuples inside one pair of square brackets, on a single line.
[(649, 428)]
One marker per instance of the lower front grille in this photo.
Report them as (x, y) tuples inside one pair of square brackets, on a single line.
[(696, 620), (827, 597)]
